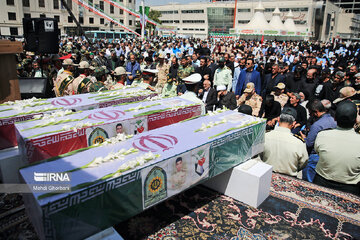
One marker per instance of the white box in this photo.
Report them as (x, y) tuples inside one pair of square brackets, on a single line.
[(10, 162), (107, 234), (249, 182)]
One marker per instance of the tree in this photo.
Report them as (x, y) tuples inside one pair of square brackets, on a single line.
[(153, 15)]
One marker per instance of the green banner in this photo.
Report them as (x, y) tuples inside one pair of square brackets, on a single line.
[(147, 10)]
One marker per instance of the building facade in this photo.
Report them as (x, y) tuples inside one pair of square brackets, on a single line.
[(15, 10), (320, 18)]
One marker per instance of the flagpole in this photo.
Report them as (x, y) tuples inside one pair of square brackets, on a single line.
[(143, 20)]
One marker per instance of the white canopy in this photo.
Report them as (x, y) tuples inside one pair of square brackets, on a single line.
[(289, 22), (276, 22), (258, 21)]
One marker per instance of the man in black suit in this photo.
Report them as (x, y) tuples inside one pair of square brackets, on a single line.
[(208, 95), (225, 98)]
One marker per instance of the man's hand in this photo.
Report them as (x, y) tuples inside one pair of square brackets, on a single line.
[(131, 77), (302, 135), (201, 91), (297, 125), (237, 97)]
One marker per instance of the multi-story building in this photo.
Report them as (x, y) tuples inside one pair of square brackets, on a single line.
[(13, 11), (350, 6), (320, 18)]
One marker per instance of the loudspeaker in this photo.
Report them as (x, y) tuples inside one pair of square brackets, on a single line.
[(41, 35), (35, 87)]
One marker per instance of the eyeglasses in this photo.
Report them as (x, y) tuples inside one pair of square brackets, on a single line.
[(248, 63)]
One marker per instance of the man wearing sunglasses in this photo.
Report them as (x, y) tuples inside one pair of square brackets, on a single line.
[(246, 76)]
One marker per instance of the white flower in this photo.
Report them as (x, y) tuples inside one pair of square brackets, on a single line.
[(66, 127)]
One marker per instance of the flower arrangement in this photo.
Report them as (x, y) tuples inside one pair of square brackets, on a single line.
[(205, 127)]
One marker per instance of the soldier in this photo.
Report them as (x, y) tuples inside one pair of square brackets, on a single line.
[(251, 98), (223, 75), (82, 83), (279, 94), (191, 83), (63, 81), (169, 90), (147, 77), (120, 78), (163, 69), (101, 76), (185, 69)]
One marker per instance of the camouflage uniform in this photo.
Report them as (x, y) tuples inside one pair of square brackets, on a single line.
[(81, 84), (184, 72), (254, 101), (162, 75), (62, 82), (282, 98)]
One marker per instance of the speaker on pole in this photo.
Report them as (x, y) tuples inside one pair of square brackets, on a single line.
[(41, 35)]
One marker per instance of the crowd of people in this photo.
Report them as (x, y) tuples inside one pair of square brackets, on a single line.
[(306, 90)]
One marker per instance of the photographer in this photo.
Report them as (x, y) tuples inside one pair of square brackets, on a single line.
[(322, 121)]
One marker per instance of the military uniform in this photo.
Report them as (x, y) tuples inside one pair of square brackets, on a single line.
[(62, 82), (282, 98), (184, 72), (254, 101), (223, 76), (81, 84), (169, 90), (284, 152), (162, 75)]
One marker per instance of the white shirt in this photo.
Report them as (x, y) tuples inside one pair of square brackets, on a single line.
[(206, 92)]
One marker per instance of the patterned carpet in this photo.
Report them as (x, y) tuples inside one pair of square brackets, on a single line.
[(294, 210)]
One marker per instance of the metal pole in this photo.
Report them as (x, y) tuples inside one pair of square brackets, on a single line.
[(143, 20), (75, 20), (235, 11)]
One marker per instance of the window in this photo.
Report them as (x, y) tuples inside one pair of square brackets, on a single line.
[(121, 11), (81, 20), (56, 4), (243, 21), (13, 31), (42, 3), (269, 9), (244, 10), (170, 21), (122, 21), (12, 16), (26, 3), (57, 17), (102, 5), (42, 15), (300, 22), (169, 12), (27, 15), (101, 21), (10, 2), (91, 20), (193, 21), (192, 11), (70, 20), (111, 9), (129, 1), (121, 0), (130, 22), (90, 2)]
